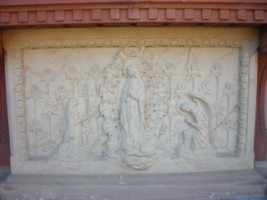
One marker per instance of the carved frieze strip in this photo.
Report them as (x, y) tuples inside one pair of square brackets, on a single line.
[(36, 44), (20, 102), (125, 13), (243, 100)]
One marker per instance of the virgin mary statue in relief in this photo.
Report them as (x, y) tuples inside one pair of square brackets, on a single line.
[(132, 109)]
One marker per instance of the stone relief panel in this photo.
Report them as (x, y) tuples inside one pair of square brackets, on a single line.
[(131, 106), (65, 122)]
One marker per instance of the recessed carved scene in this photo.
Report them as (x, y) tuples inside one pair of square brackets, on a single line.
[(134, 106)]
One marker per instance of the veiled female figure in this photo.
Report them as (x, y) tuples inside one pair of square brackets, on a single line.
[(132, 109)]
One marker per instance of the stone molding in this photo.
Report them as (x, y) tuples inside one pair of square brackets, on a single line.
[(138, 12), (244, 184)]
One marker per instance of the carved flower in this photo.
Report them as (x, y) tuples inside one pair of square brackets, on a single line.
[(35, 92), (230, 124), (35, 126), (205, 88), (181, 86), (193, 70), (62, 90), (49, 109), (96, 69), (170, 69), (218, 109), (133, 53), (229, 89), (47, 75), (72, 74), (217, 69)]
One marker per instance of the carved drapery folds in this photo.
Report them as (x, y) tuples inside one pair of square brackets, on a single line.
[(130, 104)]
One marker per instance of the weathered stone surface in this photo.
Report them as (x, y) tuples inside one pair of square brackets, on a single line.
[(229, 185), (4, 173), (131, 100)]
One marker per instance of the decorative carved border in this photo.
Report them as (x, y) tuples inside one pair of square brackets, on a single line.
[(73, 43), (138, 12), (242, 45), (20, 103), (243, 99)]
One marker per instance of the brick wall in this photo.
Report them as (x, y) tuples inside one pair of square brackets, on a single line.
[(4, 137)]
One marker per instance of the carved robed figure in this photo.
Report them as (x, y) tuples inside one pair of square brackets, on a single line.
[(132, 109)]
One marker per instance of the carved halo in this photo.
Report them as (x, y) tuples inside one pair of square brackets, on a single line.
[(110, 107)]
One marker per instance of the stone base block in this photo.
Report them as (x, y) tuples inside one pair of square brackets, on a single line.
[(4, 172), (261, 167), (244, 184)]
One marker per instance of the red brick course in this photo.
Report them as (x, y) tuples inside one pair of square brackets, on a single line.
[(125, 12)]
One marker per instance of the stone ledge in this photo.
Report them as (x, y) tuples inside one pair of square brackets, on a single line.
[(4, 172), (211, 185), (261, 167)]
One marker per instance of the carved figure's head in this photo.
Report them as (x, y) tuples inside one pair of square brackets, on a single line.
[(132, 71), (132, 68)]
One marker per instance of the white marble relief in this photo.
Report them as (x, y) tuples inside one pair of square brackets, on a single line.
[(133, 110), (134, 107)]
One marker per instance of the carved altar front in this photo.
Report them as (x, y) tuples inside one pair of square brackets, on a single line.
[(131, 100)]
